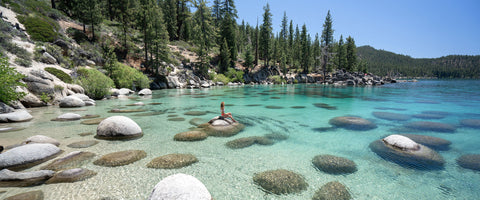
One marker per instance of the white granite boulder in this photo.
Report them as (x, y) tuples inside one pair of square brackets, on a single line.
[(41, 139), (16, 116), (118, 128), (68, 117), (71, 102), (180, 187), (222, 127), (145, 91), (401, 142), (23, 179), (25, 156)]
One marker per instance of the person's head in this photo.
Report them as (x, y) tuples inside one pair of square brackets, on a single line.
[(222, 105)]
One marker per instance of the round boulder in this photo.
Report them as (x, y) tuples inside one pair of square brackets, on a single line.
[(391, 116), (145, 91), (71, 175), (471, 123), (68, 117), (180, 187), (332, 191), (195, 113), (280, 181), (120, 158), (26, 156), (118, 128), (407, 153), (23, 179), (172, 161), (16, 116), (41, 139), (469, 161), (190, 136), (71, 102), (241, 143), (352, 123), (430, 141), (32, 195), (71, 160), (334, 164), (431, 126), (83, 144), (222, 127), (92, 121), (196, 121)]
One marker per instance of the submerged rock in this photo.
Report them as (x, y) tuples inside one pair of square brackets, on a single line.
[(190, 136), (352, 123), (471, 123), (431, 126), (68, 117), (391, 116), (71, 175), (180, 187), (23, 179), (428, 116), (334, 164), (26, 156), (469, 161), (196, 121), (92, 121), (16, 116), (430, 141), (118, 128), (126, 110), (83, 144), (71, 160), (332, 191), (249, 141), (276, 136), (41, 139), (280, 181), (172, 161), (407, 153), (222, 127), (195, 113), (325, 106), (120, 158), (32, 195)]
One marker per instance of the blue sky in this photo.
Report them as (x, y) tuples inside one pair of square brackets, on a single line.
[(418, 28)]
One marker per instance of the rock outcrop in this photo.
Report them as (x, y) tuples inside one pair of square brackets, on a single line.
[(180, 187), (26, 156), (16, 116), (71, 102)]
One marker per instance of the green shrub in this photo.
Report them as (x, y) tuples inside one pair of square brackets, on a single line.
[(276, 79), (58, 87), (96, 84), (125, 77), (77, 35), (39, 29), (44, 97), (23, 62), (59, 74), (221, 78), (234, 75), (18, 51), (9, 80)]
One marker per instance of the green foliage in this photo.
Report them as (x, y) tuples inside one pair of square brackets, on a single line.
[(276, 79), (58, 87), (44, 97), (9, 80), (234, 75), (266, 34), (351, 54), (248, 58), (225, 61), (220, 78), (23, 62), (128, 77), (341, 56), (59, 74), (78, 35), (39, 29), (95, 83)]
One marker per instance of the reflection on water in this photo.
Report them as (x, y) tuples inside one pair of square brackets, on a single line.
[(297, 114)]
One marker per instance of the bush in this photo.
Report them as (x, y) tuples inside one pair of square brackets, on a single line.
[(221, 78), (39, 29), (276, 79), (95, 83), (23, 62), (77, 35), (59, 74), (125, 77), (9, 80), (234, 75)]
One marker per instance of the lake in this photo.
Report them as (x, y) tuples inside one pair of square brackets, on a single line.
[(301, 112)]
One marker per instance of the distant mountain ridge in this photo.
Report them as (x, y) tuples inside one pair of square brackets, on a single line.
[(383, 62)]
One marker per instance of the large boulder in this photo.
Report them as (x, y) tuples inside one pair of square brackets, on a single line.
[(26, 156), (49, 59), (352, 123), (281, 181), (71, 102), (122, 91), (16, 116), (71, 160), (222, 127), (118, 128), (145, 91), (469, 161), (190, 136), (32, 195), (4, 108), (431, 126), (405, 152), (71, 175), (40, 82), (120, 158), (334, 164), (68, 117), (391, 116), (23, 179), (172, 161), (332, 191), (31, 100), (76, 88), (430, 141), (180, 187), (41, 139)]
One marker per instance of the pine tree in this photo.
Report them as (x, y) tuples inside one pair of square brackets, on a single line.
[(216, 13), (304, 43), (248, 57), (351, 54), (229, 29), (204, 33), (290, 44), (183, 20), (296, 48), (327, 40), (341, 56), (169, 8), (265, 34), (88, 12), (225, 61), (316, 52), (126, 15)]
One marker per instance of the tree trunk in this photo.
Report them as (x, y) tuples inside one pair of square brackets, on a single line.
[(53, 4)]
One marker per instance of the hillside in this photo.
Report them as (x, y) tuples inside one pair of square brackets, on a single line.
[(383, 62)]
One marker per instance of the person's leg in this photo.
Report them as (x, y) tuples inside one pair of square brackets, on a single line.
[(230, 115)]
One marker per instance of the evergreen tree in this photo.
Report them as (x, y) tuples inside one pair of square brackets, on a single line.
[(225, 61), (290, 44), (351, 54), (249, 57), (327, 40), (304, 43), (204, 33), (296, 48), (228, 27), (183, 20), (316, 52), (257, 38), (216, 13), (126, 15), (170, 18), (341, 56), (88, 12), (265, 34)]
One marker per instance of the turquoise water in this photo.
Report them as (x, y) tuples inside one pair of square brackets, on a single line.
[(227, 173)]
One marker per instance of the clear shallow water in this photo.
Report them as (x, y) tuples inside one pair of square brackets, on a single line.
[(228, 173)]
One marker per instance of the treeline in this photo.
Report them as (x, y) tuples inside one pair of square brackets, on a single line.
[(387, 63)]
